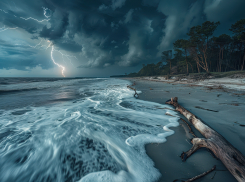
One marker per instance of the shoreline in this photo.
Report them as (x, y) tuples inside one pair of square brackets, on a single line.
[(221, 109), (233, 83)]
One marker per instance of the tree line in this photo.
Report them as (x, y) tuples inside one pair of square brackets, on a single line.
[(202, 52)]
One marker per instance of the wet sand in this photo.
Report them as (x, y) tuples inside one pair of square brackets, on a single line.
[(226, 116)]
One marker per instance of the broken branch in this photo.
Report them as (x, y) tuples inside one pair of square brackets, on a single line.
[(233, 159), (201, 175), (135, 94)]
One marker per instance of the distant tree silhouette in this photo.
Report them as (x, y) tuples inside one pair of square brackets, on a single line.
[(202, 52)]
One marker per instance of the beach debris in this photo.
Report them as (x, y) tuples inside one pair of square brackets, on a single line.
[(210, 88), (201, 175), (136, 95), (233, 159), (169, 114), (158, 125), (213, 175), (233, 104), (242, 125), (183, 155), (187, 141), (198, 176), (151, 89), (198, 107), (220, 87), (203, 101), (238, 94), (164, 108), (190, 130)]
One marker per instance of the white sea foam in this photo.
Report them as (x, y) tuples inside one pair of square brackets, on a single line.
[(99, 138)]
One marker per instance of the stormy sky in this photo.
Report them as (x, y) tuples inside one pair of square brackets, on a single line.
[(99, 37)]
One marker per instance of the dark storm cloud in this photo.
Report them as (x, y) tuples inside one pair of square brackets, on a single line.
[(57, 29), (17, 57), (20, 57), (71, 46), (225, 11), (102, 33)]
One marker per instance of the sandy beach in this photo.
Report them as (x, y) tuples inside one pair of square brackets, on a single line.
[(222, 108)]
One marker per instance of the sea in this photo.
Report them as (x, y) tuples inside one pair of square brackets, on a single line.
[(78, 130)]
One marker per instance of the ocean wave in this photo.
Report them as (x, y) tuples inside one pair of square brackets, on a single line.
[(16, 90), (99, 138), (30, 86)]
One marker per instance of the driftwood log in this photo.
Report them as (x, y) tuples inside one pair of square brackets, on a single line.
[(233, 160), (135, 94)]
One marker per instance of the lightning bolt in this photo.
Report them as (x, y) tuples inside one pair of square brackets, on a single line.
[(45, 12), (50, 45), (40, 21), (3, 11), (30, 45), (52, 57), (37, 44), (67, 56), (62, 67), (30, 18), (4, 29)]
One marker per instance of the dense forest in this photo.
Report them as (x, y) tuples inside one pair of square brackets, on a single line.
[(202, 52)]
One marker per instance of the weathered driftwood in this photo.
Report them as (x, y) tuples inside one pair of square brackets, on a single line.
[(201, 175), (190, 130), (135, 94), (183, 155), (198, 176), (233, 160)]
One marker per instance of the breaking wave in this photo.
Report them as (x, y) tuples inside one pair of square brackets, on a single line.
[(98, 138)]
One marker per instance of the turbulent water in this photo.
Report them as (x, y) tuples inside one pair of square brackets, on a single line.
[(77, 130)]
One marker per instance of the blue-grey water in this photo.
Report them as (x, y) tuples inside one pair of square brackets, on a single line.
[(77, 130)]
